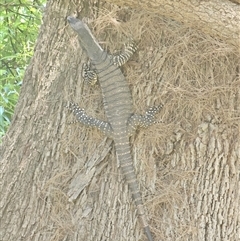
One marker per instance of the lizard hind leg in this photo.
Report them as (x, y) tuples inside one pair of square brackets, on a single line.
[(146, 120), (88, 74), (83, 118), (122, 58)]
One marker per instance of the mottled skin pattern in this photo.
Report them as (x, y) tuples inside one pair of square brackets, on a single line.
[(118, 108)]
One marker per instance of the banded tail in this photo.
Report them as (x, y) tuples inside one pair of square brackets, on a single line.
[(125, 159)]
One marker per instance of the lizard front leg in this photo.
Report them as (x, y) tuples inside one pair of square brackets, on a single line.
[(122, 58), (82, 117), (146, 120), (88, 74)]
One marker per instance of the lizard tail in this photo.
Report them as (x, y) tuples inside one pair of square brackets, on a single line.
[(148, 233), (126, 164)]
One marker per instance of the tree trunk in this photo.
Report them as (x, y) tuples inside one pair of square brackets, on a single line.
[(61, 181)]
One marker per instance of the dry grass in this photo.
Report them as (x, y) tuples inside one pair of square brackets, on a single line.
[(193, 74)]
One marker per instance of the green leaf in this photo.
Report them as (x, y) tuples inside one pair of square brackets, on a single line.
[(19, 24)]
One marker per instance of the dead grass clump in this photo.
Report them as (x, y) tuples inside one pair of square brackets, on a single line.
[(193, 74)]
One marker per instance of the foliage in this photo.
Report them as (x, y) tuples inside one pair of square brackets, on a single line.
[(19, 24)]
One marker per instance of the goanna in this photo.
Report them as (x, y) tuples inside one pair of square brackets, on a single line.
[(117, 104)]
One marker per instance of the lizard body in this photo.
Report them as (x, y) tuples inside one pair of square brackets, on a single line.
[(118, 108)]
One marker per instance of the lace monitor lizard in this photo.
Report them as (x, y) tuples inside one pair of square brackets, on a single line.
[(117, 104)]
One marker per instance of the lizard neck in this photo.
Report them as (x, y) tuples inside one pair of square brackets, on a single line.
[(86, 38)]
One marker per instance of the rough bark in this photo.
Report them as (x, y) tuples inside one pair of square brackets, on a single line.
[(61, 182), (218, 18)]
